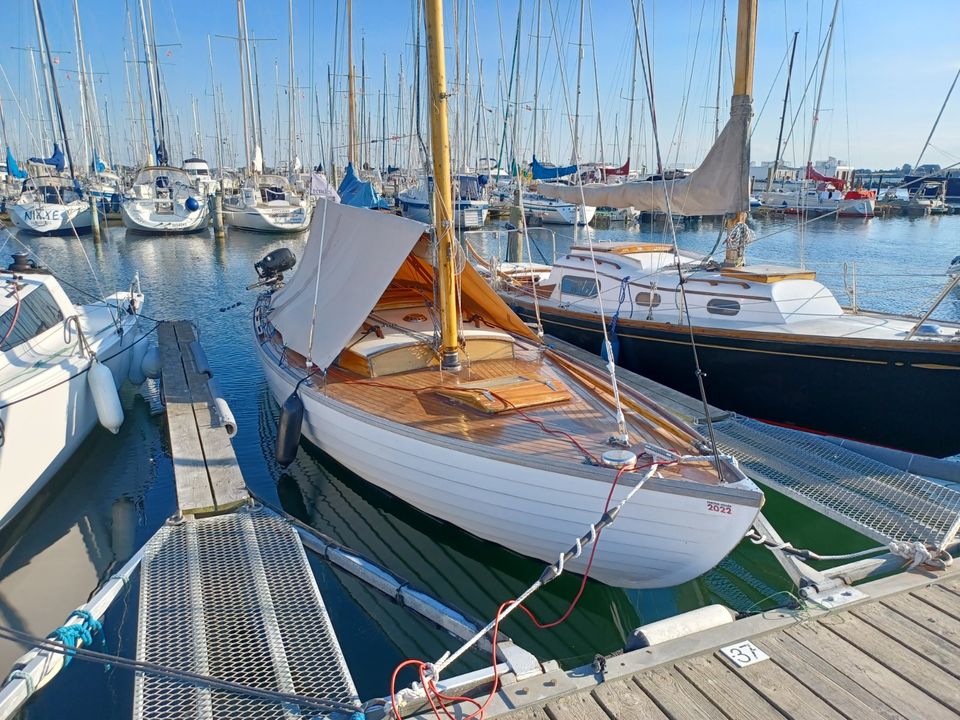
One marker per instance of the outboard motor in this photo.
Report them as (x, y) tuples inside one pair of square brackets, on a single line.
[(270, 270)]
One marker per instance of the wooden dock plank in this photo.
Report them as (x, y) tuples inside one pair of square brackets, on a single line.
[(910, 665), (917, 608), (836, 689), (727, 689), (676, 696), (925, 642), (206, 473), (578, 706), (623, 700), (946, 600), (867, 672), (791, 698), (531, 712)]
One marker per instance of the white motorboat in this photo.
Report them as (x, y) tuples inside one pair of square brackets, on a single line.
[(164, 200), (267, 203), (556, 212), (471, 208), (199, 171), (60, 367), (49, 205)]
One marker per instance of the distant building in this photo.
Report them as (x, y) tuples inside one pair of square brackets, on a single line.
[(759, 172)]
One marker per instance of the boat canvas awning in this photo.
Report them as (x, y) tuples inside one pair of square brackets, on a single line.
[(719, 186), (353, 254)]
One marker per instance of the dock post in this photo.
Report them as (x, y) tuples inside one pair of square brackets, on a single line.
[(94, 218), (216, 209)]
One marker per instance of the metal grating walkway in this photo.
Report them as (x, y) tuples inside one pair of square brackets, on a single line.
[(880, 501), (233, 597)]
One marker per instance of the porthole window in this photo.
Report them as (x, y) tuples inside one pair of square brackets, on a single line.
[(648, 300), (722, 306), (580, 286)]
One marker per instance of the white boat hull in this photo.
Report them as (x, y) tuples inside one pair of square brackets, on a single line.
[(661, 538), (50, 218), (142, 216), (560, 213), (40, 433), (268, 220)]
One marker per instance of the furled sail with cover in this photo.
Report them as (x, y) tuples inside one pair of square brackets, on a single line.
[(13, 170), (546, 172), (719, 186), (56, 159)]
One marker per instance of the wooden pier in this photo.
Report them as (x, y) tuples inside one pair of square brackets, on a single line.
[(205, 468), (893, 655)]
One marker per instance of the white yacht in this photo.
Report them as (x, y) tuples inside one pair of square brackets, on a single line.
[(164, 200), (556, 212), (53, 355), (267, 203), (199, 171), (51, 204)]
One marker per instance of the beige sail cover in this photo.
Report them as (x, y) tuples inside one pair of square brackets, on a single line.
[(354, 254), (717, 187)]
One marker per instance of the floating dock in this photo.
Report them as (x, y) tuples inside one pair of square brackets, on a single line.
[(895, 655), (226, 590)]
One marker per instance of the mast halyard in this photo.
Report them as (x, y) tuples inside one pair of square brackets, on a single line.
[(443, 193), (741, 102)]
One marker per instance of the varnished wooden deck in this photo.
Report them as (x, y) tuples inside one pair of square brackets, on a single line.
[(406, 398)]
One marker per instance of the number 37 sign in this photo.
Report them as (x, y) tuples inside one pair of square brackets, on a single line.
[(744, 653)]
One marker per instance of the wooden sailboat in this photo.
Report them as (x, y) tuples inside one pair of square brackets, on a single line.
[(406, 368), (774, 343)]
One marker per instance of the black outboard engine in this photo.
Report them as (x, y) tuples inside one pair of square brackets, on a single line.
[(270, 270)]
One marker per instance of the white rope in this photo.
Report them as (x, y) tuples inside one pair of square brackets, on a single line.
[(550, 573), (316, 288)]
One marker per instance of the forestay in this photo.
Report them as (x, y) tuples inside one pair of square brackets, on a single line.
[(353, 254), (717, 187)]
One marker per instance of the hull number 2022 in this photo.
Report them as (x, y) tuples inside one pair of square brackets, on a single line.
[(721, 508)]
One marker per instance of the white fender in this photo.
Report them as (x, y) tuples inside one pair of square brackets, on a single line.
[(151, 363), (136, 374), (105, 396)]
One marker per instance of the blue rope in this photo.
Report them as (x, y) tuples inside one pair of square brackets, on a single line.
[(624, 284), (71, 635)]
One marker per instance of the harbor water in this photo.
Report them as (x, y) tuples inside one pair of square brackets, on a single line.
[(115, 493)]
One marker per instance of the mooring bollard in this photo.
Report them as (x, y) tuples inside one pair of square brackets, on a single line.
[(216, 210), (94, 218)]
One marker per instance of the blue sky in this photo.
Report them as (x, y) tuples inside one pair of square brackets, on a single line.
[(890, 68)]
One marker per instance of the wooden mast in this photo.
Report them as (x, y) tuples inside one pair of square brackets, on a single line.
[(352, 101), (442, 190), (743, 87)]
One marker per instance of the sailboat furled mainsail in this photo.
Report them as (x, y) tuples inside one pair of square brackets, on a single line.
[(13, 170), (548, 172), (719, 186), (56, 159)]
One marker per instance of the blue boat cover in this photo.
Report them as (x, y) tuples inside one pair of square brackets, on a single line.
[(56, 159), (97, 165), (13, 170), (542, 172), (359, 193)]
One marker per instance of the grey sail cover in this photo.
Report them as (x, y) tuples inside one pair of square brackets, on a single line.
[(719, 186), (350, 258)]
